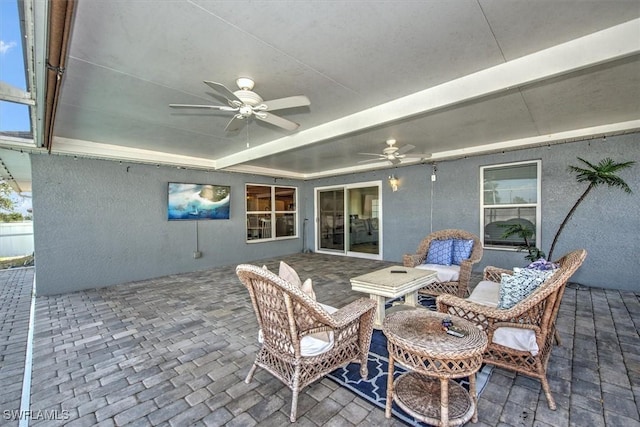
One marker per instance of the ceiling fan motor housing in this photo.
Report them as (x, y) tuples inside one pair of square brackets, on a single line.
[(248, 97)]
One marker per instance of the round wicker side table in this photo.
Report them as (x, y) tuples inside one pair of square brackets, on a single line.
[(417, 341)]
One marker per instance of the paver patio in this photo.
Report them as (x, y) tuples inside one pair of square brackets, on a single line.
[(175, 351)]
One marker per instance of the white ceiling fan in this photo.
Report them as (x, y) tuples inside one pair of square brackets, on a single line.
[(245, 103), (393, 154)]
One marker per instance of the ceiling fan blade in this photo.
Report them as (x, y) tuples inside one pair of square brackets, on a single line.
[(222, 89), (289, 102), (211, 107), (405, 148), (371, 160), (382, 156), (236, 123), (394, 161), (277, 120)]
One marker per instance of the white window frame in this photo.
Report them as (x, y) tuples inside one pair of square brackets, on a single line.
[(272, 213), (537, 205)]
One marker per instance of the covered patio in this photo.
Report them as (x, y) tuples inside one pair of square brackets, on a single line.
[(175, 351)]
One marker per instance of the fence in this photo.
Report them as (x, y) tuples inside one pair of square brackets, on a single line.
[(16, 238)]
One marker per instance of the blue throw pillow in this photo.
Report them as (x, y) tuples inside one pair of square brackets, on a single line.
[(461, 250), (440, 252)]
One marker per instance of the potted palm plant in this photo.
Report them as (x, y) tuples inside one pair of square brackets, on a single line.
[(525, 233)]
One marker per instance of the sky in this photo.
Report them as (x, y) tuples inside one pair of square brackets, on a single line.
[(13, 117)]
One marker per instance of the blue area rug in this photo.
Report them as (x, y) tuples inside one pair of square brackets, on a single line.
[(374, 389)]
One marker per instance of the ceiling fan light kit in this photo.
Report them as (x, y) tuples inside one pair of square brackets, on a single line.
[(246, 104)]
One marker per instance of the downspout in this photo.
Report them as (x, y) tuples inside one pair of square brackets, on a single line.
[(61, 14)]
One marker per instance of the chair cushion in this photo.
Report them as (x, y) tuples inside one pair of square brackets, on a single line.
[(439, 252), (287, 273), (313, 344), (461, 250), (486, 293), (514, 288), (446, 273), (517, 338)]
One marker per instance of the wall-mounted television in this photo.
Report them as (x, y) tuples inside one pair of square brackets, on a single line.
[(197, 201)]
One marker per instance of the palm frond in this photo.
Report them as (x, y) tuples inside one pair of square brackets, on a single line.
[(604, 173)]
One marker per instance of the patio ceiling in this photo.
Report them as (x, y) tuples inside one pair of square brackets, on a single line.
[(452, 79)]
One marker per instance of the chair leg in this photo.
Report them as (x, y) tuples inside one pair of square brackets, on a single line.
[(294, 406), (364, 372), (557, 337), (547, 393), (250, 374)]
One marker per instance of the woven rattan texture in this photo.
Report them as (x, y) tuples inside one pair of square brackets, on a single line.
[(420, 395), (537, 312), (460, 287), (286, 314), (417, 340)]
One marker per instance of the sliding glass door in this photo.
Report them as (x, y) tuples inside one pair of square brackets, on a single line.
[(348, 220)]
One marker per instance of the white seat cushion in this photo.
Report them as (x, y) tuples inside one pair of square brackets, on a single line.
[(446, 273), (313, 344), (517, 338), (486, 293)]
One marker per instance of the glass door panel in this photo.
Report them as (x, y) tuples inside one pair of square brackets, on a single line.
[(331, 219), (362, 204)]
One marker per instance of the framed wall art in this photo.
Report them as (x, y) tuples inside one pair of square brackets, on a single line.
[(197, 201)]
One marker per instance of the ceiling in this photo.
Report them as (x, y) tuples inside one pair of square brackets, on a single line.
[(451, 78)]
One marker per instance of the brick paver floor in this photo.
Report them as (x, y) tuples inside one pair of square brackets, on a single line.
[(175, 351)]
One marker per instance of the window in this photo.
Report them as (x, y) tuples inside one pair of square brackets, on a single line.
[(15, 94), (510, 196), (271, 212)]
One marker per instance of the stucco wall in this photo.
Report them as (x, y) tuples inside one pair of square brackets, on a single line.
[(606, 223), (98, 224)]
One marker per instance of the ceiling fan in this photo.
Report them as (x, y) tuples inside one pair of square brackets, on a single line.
[(393, 154), (245, 103)]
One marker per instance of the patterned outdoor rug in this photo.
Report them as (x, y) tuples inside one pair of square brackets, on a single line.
[(374, 389)]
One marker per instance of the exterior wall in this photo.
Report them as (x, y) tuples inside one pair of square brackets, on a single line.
[(99, 223), (606, 223)]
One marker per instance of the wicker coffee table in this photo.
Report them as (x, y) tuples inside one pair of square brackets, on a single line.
[(393, 282), (416, 340)]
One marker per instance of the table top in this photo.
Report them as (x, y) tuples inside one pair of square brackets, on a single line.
[(384, 282), (421, 332)]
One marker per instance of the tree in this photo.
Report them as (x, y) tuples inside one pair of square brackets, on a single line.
[(5, 196), (604, 173)]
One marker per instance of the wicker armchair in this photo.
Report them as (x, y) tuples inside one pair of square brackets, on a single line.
[(287, 316), (458, 287), (537, 313)]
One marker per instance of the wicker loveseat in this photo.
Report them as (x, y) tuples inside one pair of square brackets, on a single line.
[(520, 337), (301, 339), (453, 279)]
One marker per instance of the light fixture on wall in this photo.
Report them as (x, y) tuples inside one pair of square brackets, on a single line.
[(393, 182)]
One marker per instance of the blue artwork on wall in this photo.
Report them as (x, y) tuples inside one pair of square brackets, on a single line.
[(198, 201)]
